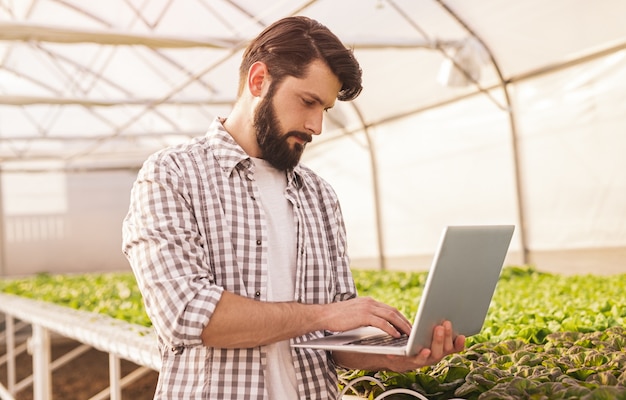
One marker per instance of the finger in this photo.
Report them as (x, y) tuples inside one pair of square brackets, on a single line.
[(423, 356), (365, 311), (448, 344), (393, 329), (391, 320), (459, 343), (394, 316), (437, 344)]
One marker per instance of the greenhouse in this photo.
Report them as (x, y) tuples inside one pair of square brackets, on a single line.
[(485, 112)]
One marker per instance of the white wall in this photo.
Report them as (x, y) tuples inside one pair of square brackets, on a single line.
[(57, 222)]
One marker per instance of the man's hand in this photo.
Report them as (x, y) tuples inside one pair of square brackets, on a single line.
[(365, 311), (443, 344)]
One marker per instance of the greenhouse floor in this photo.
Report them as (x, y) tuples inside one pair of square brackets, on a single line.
[(83, 377)]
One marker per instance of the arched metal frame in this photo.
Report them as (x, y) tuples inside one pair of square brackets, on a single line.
[(513, 129), (504, 84)]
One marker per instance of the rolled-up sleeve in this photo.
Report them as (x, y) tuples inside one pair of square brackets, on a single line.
[(166, 251)]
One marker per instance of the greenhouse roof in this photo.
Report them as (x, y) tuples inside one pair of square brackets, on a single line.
[(101, 84)]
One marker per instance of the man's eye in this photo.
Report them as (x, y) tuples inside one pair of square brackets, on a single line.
[(308, 102)]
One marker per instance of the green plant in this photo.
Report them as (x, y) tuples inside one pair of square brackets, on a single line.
[(112, 294), (546, 336)]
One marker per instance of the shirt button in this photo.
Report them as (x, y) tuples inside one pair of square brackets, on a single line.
[(257, 293), (258, 242)]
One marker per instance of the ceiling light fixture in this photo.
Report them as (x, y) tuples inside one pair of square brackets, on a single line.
[(463, 67)]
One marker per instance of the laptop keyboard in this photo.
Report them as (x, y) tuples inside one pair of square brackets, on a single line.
[(381, 340)]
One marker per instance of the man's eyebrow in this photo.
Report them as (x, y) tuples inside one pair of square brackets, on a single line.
[(319, 100)]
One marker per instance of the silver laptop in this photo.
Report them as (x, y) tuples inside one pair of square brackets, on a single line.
[(459, 288)]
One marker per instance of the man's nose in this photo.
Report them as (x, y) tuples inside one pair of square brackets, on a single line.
[(313, 124)]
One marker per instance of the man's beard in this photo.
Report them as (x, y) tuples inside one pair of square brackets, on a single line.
[(274, 147)]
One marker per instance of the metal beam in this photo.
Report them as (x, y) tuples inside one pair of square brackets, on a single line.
[(28, 32), (27, 100), (66, 137), (3, 240)]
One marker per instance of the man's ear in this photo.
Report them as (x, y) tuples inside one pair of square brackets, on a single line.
[(257, 76)]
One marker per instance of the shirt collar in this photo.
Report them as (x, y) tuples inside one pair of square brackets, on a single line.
[(226, 150), (230, 155)]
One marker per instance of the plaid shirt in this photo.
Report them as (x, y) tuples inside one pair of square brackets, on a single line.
[(195, 227)]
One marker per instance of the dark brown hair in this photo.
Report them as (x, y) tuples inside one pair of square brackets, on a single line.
[(289, 45)]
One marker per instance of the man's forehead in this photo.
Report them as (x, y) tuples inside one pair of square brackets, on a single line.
[(319, 83)]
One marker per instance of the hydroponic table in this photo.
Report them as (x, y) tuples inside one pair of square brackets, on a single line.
[(120, 339)]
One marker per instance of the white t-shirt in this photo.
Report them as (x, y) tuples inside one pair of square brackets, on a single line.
[(281, 375)]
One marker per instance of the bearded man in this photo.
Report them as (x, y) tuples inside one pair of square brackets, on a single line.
[(239, 250)]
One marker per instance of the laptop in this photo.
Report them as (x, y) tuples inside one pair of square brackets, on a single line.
[(459, 288)]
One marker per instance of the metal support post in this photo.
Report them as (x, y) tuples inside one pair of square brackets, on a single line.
[(11, 367), (42, 375), (3, 240), (115, 375)]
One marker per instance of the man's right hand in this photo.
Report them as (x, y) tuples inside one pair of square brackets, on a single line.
[(365, 311)]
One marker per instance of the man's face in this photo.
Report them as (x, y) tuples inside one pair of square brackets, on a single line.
[(291, 112)]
